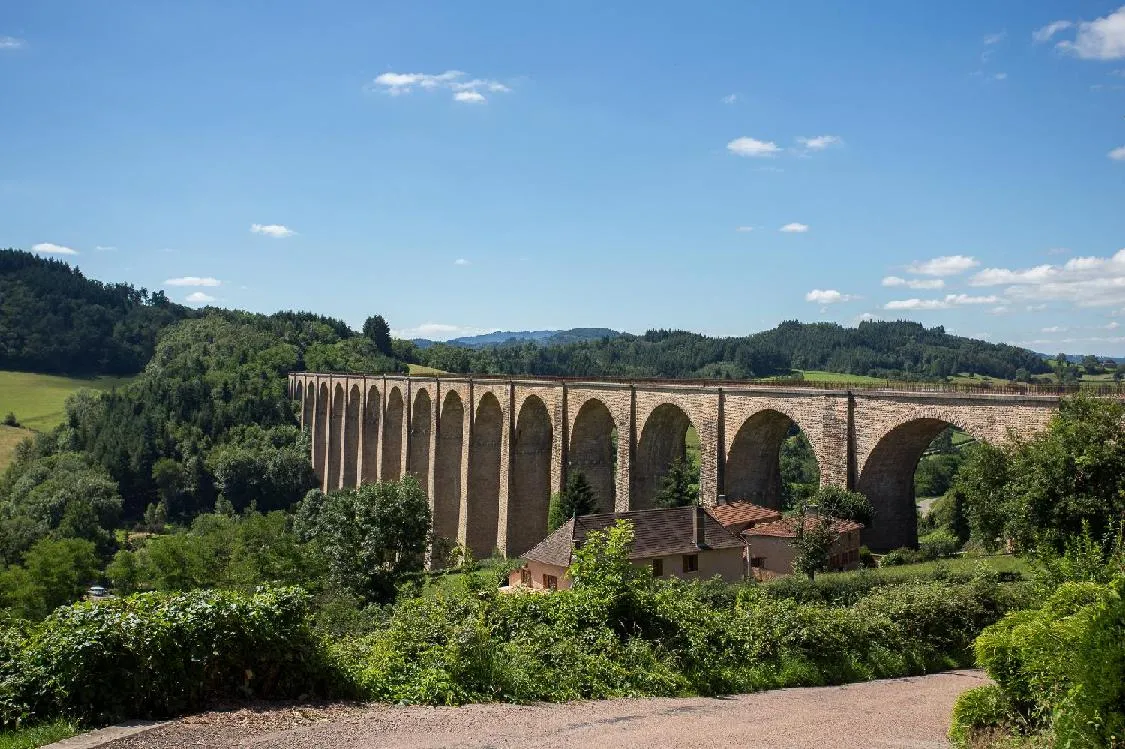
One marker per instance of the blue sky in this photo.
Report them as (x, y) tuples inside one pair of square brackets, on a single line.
[(463, 167)]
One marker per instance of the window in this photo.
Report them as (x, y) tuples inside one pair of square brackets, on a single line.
[(525, 577), (658, 568), (757, 561), (691, 562), (550, 582)]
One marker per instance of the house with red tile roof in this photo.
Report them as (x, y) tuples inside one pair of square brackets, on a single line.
[(685, 542), (738, 516), (771, 551)]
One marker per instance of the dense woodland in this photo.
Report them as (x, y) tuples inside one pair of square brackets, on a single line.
[(901, 350)]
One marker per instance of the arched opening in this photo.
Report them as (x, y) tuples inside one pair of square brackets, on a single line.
[(371, 436), (351, 436), (529, 481), (663, 440), (484, 478), (335, 437), (447, 467), (770, 462), (320, 432), (593, 451), (418, 458), (392, 437), (887, 479), (308, 403)]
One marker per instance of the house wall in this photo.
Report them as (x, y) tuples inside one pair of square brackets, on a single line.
[(779, 552), (537, 570), (726, 563)]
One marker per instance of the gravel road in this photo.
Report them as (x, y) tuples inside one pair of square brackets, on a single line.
[(912, 713)]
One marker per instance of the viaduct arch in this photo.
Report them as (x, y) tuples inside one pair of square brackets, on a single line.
[(489, 452)]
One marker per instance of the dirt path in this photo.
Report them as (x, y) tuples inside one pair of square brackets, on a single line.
[(912, 713)]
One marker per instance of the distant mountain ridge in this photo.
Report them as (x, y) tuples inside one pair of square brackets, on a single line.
[(544, 337)]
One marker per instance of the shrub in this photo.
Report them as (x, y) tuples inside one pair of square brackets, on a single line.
[(10, 420), (896, 557), (156, 654), (866, 558), (940, 544), (979, 709), (1062, 667)]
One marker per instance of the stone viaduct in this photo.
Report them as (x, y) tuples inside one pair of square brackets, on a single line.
[(490, 451)]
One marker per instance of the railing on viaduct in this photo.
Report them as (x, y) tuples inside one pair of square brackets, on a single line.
[(490, 451)]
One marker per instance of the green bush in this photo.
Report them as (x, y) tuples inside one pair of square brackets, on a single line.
[(1062, 666), (940, 544), (156, 654), (896, 557), (979, 709)]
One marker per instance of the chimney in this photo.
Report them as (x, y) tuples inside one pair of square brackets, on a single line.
[(722, 500), (698, 525)]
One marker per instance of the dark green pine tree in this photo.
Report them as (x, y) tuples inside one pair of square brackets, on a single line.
[(576, 499), (679, 487)]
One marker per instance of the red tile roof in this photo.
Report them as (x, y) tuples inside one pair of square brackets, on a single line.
[(786, 528), (738, 513), (658, 532)]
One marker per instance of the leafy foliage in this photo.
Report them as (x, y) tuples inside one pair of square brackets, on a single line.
[(576, 498), (680, 485)]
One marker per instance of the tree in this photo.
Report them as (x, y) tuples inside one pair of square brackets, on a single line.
[(982, 483), (679, 487), (577, 498), (813, 541), (60, 570), (370, 536), (1092, 365), (377, 329), (842, 504), (171, 482)]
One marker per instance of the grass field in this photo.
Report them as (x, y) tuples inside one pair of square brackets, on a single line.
[(817, 375), (37, 400), (420, 369), (9, 438), (41, 735)]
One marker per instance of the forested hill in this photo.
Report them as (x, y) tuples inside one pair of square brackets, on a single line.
[(880, 349), (54, 319)]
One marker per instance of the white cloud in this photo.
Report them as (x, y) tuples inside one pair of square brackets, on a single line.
[(466, 91), (461, 261), (1002, 309), (1100, 39), (828, 296), (868, 317), (1083, 281), (438, 331), (990, 39), (1112, 325), (729, 99), (745, 228), (193, 281), (1036, 307), (999, 76), (794, 228), (1054, 329), (277, 231), (11, 42), (950, 300), (105, 248), (198, 297), (820, 142), (1117, 154), (1044, 33), (947, 265), (746, 146), (49, 248), (914, 283)]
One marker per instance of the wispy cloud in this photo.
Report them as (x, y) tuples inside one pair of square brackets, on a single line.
[(1100, 39), (745, 228), (1117, 154), (1054, 329), (1082, 281), (50, 248), (991, 39), (461, 261), (794, 228), (729, 99), (1044, 33), (278, 231), (105, 248), (11, 42), (946, 265), (438, 331), (747, 146), (828, 296), (198, 297), (914, 283), (206, 281), (464, 90), (950, 300), (819, 142)]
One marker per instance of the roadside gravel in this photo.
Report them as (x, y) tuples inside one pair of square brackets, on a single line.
[(910, 713)]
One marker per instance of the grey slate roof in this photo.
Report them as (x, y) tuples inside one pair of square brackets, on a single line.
[(657, 533)]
